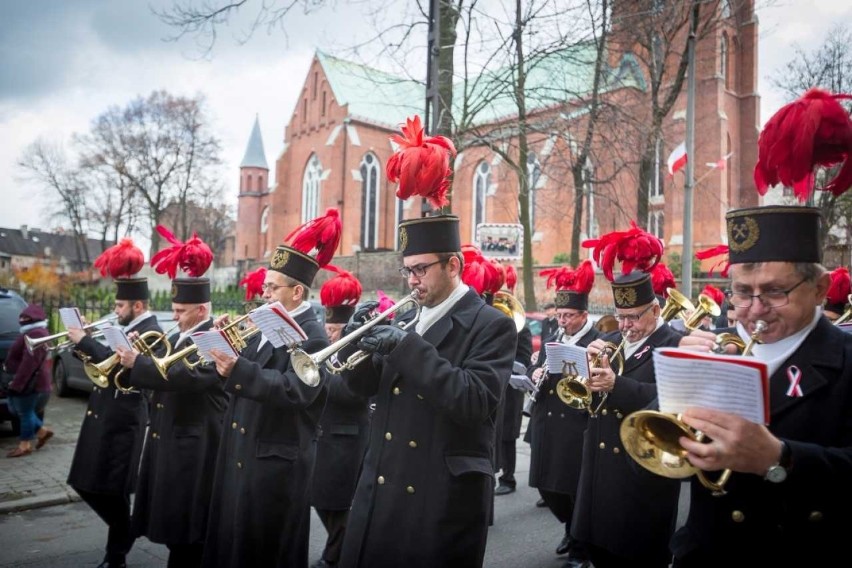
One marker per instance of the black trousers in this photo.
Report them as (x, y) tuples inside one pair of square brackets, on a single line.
[(114, 510), (185, 555), (602, 558), (562, 507), (335, 525), (508, 457)]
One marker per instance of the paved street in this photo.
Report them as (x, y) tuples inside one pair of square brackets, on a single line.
[(43, 523)]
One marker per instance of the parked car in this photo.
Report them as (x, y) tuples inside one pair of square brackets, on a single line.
[(11, 305)]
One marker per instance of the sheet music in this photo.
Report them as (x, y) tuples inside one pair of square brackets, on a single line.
[(847, 327), (277, 325), (212, 339), (558, 353), (735, 384), (70, 317), (116, 337)]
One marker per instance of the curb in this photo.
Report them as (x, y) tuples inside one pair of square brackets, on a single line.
[(39, 501)]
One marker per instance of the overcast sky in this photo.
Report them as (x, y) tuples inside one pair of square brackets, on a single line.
[(63, 63)]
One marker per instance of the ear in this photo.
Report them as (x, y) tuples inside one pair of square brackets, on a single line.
[(822, 285)]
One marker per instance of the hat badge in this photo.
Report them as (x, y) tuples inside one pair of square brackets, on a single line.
[(625, 296), (403, 239), (743, 234), (279, 259)]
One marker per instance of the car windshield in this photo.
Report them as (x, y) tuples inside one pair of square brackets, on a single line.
[(10, 309)]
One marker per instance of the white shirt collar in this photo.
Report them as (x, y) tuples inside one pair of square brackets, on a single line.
[(144, 315), (774, 354)]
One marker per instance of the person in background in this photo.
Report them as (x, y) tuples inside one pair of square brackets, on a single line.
[(837, 297), (30, 389), (549, 325)]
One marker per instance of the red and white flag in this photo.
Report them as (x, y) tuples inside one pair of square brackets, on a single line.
[(677, 159), (721, 163)]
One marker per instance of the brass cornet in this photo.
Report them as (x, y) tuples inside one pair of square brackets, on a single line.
[(33, 344), (99, 373), (847, 313), (652, 438)]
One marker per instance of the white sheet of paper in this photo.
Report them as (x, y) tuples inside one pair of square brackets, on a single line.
[(70, 317), (213, 339), (115, 337), (559, 353), (738, 385), (277, 325)]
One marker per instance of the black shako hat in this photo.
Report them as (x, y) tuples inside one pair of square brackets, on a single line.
[(338, 314), (297, 265), (633, 290), (439, 234), (572, 299), (191, 290), (131, 289), (775, 233)]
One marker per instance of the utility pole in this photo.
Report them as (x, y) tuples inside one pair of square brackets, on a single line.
[(689, 184)]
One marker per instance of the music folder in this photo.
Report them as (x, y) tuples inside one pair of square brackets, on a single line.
[(729, 383), (70, 318), (277, 325), (115, 337), (559, 353), (212, 339)]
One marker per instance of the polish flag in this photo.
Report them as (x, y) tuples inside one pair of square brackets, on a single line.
[(721, 163), (677, 159)]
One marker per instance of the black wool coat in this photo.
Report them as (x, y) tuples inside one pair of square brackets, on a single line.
[(107, 454), (804, 520), (620, 507), (556, 435), (260, 508), (424, 495), (513, 400), (176, 473)]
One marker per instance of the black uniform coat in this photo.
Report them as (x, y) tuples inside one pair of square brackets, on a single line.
[(176, 475), (806, 519), (107, 454), (344, 429), (426, 487), (556, 435), (260, 509), (628, 512), (513, 402)]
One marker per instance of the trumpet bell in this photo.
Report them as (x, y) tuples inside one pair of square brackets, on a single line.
[(574, 393), (651, 438), (306, 368), (99, 373), (676, 305), (511, 306)]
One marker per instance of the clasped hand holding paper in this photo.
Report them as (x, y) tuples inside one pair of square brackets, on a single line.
[(729, 383)]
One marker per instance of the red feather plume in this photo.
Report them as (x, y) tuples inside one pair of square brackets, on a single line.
[(662, 279), (193, 257), (721, 250), (584, 277), (344, 289), (840, 288), (635, 248), (253, 282), (474, 272), (814, 130), (495, 276), (121, 260), (511, 277), (715, 294), (422, 164), (320, 235)]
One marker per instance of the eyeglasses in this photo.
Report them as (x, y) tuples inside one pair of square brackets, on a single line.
[(770, 299), (632, 318), (566, 315), (419, 270), (269, 286)]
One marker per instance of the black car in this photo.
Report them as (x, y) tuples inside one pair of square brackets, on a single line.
[(11, 305)]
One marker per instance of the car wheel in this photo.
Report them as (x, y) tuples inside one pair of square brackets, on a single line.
[(60, 379)]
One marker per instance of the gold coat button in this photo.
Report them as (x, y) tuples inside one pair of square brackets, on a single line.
[(154, 435), (549, 413), (240, 465), (603, 411), (412, 444), (88, 413), (242, 430), (396, 390), (96, 416), (388, 436), (381, 480), (602, 446), (619, 415), (561, 415), (616, 450), (159, 405), (420, 397), (233, 425), (737, 516), (410, 489), (550, 391), (238, 387), (815, 516)]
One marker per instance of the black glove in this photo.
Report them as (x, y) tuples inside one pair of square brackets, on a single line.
[(361, 316), (382, 339)]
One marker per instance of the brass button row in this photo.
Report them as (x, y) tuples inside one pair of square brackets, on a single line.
[(396, 390), (381, 481)]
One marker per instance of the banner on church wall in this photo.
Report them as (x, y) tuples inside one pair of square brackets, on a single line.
[(502, 241)]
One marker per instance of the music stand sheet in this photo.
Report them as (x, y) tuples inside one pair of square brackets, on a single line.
[(277, 325), (70, 317), (559, 353), (212, 339), (733, 384), (115, 337)]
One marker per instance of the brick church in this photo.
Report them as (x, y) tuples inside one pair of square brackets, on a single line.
[(337, 143)]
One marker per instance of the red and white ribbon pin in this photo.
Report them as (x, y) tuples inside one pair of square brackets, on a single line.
[(794, 374)]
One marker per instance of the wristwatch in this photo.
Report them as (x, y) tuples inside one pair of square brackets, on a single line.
[(778, 472)]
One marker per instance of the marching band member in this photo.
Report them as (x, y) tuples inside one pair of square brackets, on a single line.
[(260, 507), (555, 429), (186, 408), (104, 467)]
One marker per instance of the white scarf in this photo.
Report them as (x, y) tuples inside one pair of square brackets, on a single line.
[(632, 347), (35, 325), (182, 337), (573, 339), (428, 316), (774, 354)]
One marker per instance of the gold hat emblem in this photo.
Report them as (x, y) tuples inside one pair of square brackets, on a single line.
[(403, 239), (625, 297), (742, 235), (279, 259), (174, 289)]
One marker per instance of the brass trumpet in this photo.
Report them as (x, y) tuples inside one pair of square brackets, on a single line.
[(652, 438), (33, 344), (307, 365), (574, 391), (847, 313), (99, 373), (509, 305)]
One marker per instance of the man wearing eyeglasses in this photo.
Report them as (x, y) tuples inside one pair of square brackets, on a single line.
[(789, 494), (260, 507), (624, 518), (556, 430), (425, 492)]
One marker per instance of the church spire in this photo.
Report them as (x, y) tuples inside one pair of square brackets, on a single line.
[(255, 156)]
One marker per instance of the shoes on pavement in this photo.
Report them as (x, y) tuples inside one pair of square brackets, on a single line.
[(42, 440), (540, 503), (18, 452), (566, 544), (504, 490)]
